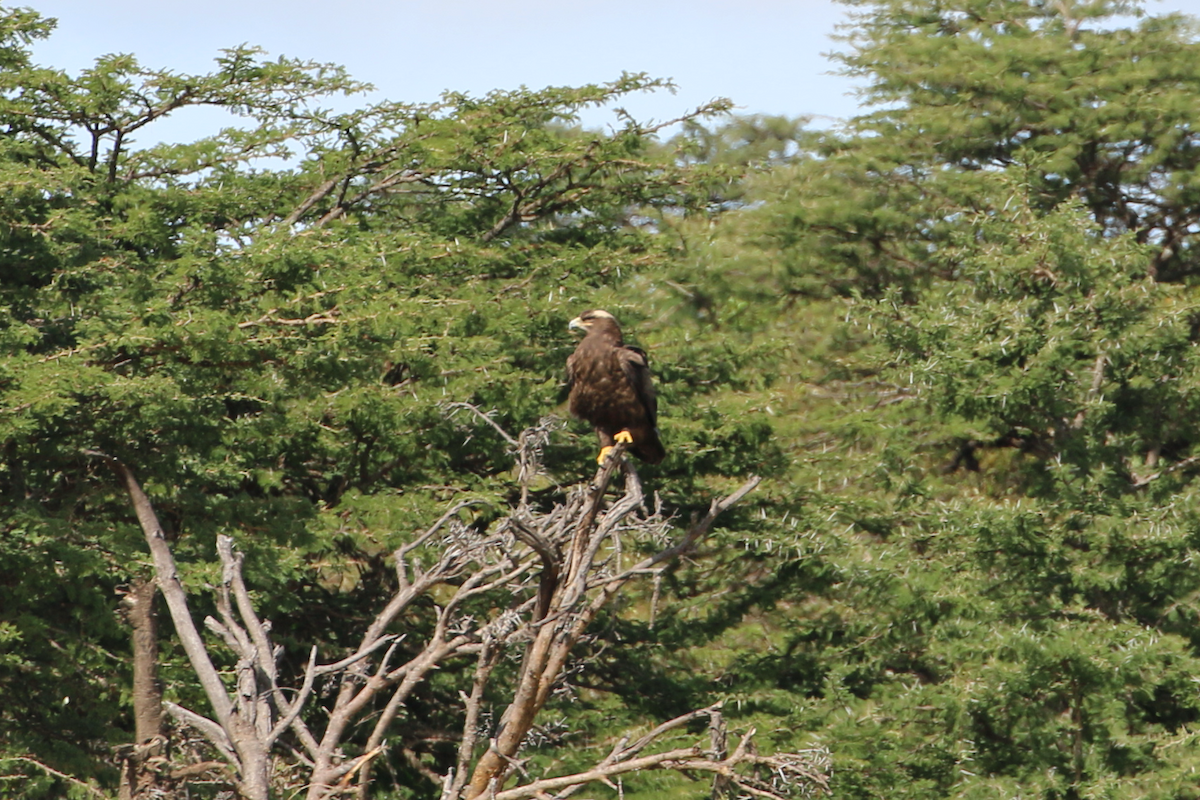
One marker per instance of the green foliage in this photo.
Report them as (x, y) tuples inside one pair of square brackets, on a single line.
[(975, 578), (962, 89), (1050, 335), (1111, 107)]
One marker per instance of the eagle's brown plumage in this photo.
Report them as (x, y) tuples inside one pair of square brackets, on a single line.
[(611, 388)]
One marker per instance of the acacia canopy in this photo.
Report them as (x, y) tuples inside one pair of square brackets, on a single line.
[(958, 337)]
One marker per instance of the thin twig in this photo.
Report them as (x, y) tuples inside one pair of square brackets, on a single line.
[(52, 771)]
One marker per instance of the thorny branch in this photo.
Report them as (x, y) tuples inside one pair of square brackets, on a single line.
[(542, 573)]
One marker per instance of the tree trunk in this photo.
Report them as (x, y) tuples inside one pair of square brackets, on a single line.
[(139, 776)]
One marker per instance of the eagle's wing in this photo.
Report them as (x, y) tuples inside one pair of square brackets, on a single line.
[(636, 366), (570, 371)]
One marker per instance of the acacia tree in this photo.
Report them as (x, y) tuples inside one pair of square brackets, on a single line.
[(1104, 93), (271, 350), (1048, 603), (1110, 105), (989, 587)]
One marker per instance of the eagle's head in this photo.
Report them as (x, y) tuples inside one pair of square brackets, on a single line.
[(587, 319)]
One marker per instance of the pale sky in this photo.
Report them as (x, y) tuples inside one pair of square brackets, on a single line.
[(766, 55)]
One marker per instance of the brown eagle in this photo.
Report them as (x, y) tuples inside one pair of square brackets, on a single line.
[(611, 388)]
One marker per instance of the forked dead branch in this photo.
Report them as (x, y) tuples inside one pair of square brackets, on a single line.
[(545, 572)]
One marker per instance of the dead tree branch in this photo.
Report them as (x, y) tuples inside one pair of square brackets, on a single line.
[(542, 574)]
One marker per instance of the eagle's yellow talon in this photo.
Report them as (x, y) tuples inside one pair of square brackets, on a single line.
[(624, 437)]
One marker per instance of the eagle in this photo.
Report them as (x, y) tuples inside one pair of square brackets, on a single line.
[(611, 388)]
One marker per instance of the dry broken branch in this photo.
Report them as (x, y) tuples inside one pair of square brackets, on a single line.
[(544, 574), (790, 773)]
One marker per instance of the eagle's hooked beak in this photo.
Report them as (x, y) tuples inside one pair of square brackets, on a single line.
[(577, 324)]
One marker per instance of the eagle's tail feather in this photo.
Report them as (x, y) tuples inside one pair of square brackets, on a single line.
[(651, 450)]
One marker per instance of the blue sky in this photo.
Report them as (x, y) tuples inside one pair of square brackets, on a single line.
[(766, 55)]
